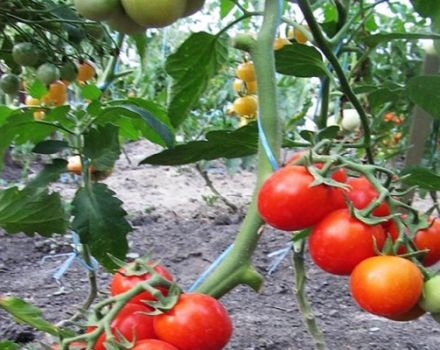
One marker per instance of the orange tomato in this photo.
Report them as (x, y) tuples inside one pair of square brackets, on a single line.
[(279, 43), (86, 71), (31, 101), (57, 94), (388, 116), (298, 35), (39, 115)]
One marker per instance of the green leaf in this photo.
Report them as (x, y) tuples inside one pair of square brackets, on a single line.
[(37, 89), (50, 173), (300, 61), (8, 345), (91, 92), (426, 8), (5, 112), (226, 6), (146, 119), (50, 146), (421, 177), (26, 313), (32, 211), (101, 145), (329, 132), (219, 144), (100, 222), (141, 45), (424, 91), (196, 61), (374, 40)]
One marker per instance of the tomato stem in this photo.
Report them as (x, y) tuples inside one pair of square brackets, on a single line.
[(236, 269)]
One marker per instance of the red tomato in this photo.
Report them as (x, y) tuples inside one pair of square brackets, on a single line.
[(121, 283), (132, 323), (362, 193), (339, 242), (413, 314), (339, 175), (391, 228), (386, 285), (288, 202), (197, 322), (153, 344), (429, 239)]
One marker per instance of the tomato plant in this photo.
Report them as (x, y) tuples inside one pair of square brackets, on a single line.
[(153, 344), (429, 239), (10, 84), (386, 285), (339, 242), (246, 106), (287, 200), (197, 322), (362, 193)]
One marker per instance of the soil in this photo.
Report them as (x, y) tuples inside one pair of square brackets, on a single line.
[(172, 220)]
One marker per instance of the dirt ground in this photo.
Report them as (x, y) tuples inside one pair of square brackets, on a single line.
[(172, 220)]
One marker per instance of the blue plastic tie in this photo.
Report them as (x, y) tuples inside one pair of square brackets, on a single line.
[(205, 273), (75, 255), (266, 146), (279, 255)]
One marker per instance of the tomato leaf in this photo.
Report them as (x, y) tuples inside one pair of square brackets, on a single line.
[(32, 211), (100, 222), (8, 345), (91, 92), (101, 145), (300, 61), (218, 144), (50, 146), (50, 173), (421, 177), (37, 89), (226, 7), (26, 313), (137, 118), (196, 61), (426, 8), (377, 39), (424, 90)]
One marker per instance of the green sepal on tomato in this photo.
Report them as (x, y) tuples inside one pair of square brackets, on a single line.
[(339, 242), (132, 323), (289, 201)]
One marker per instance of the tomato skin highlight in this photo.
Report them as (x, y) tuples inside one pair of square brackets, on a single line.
[(197, 322), (132, 323), (339, 242), (429, 238), (362, 193), (153, 344), (287, 202), (386, 285), (121, 283)]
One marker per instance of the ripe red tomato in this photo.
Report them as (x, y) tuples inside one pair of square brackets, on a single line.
[(288, 202), (132, 322), (429, 239), (339, 242), (121, 283), (386, 285), (197, 322), (153, 344), (361, 194), (410, 315)]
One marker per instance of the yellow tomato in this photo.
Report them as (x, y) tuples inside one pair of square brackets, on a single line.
[(298, 35), (39, 115), (246, 106), (246, 71), (31, 101), (279, 43), (247, 88), (57, 94)]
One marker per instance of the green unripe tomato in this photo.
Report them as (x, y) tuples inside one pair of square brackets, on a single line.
[(192, 6), (69, 71), (96, 10), (24, 54), (430, 300), (10, 84), (154, 13), (75, 34), (48, 73), (120, 22)]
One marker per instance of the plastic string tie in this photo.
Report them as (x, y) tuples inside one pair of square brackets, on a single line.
[(75, 255)]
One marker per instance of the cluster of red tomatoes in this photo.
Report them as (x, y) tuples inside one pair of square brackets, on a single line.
[(339, 243), (196, 321)]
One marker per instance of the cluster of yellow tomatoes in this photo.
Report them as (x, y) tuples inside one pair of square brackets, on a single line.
[(246, 105), (57, 90)]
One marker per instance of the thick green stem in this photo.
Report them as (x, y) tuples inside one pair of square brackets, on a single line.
[(325, 100), (236, 268), (300, 294), (324, 45)]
